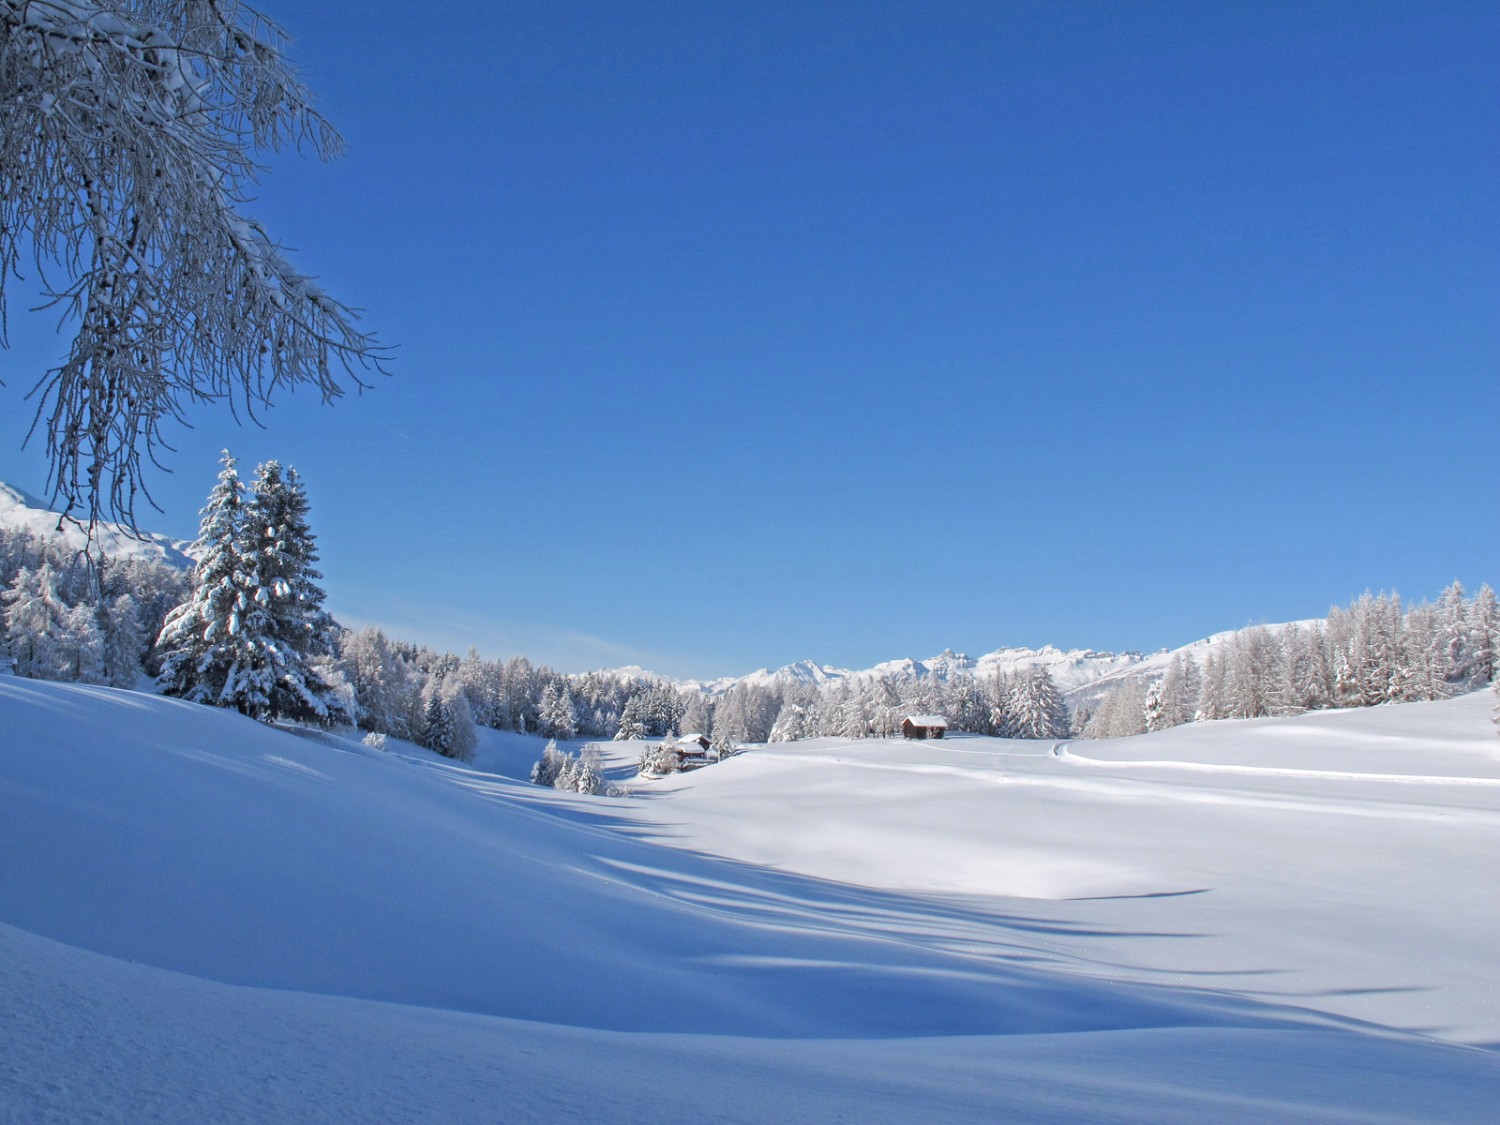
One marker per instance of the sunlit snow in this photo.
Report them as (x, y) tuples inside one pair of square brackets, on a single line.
[(207, 919)]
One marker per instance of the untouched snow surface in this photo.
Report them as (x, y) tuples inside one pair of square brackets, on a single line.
[(205, 919)]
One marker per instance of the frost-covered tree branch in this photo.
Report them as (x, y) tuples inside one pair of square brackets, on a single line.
[(128, 130)]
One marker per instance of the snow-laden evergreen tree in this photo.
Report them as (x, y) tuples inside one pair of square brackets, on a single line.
[(1211, 701), (481, 681), (1179, 691), (288, 628), (201, 645), (463, 741), (549, 766), (1121, 712), (999, 690), (588, 771), (1484, 635), (1155, 707), (129, 134), (633, 718), (437, 726), (797, 716), (885, 709), (384, 685), (83, 647), (845, 713), (1254, 674), (251, 633), (1422, 662), (1037, 709), (697, 717), (1309, 679), (124, 641), (658, 760), (555, 715), (37, 624), (969, 706), (1452, 635), (522, 696)]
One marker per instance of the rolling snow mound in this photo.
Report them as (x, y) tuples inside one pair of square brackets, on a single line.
[(202, 918)]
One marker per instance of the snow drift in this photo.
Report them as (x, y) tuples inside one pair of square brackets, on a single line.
[(204, 918)]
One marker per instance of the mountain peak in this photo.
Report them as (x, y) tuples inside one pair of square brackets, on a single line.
[(20, 511)]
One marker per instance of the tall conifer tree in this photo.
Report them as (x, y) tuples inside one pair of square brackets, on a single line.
[(200, 641)]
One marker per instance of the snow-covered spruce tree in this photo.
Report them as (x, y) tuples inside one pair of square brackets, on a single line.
[(1121, 712), (437, 728), (130, 132), (201, 645), (633, 718), (385, 687), (447, 723), (43, 630), (555, 714), (1484, 635), (1156, 706), (288, 629), (1036, 708), (120, 621), (464, 741), (697, 718), (549, 766), (585, 773), (660, 759), (249, 635)]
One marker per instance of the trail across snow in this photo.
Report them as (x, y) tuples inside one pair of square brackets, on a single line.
[(205, 919)]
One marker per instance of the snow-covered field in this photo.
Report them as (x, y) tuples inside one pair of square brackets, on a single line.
[(202, 919)]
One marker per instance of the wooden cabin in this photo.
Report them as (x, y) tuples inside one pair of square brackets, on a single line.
[(924, 726), (694, 750)]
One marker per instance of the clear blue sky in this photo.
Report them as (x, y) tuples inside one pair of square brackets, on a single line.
[(731, 334)]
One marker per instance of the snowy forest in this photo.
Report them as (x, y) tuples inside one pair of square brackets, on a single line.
[(247, 629)]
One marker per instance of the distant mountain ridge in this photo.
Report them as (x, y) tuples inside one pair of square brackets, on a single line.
[(20, 511), (1078, 673)]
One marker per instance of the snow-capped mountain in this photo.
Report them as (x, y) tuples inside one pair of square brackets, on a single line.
[(1078, 673), (1071, 670), (20, 511)]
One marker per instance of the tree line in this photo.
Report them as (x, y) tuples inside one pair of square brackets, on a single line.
[(247, 629), (1371, 652)]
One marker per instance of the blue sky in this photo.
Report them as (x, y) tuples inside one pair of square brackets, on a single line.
[(734, 334)]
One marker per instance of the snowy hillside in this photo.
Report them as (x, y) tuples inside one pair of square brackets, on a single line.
[(22, 512), (202, 918)]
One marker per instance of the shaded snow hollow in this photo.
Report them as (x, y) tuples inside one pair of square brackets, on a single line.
[(206, 919)]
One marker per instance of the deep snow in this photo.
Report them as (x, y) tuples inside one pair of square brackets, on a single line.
[(205, 919)]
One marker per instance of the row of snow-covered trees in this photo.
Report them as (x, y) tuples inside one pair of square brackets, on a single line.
[(1024, 705), (1372, 652), (248, 630), (63, 617)]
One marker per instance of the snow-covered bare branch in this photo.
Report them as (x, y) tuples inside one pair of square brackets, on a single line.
[(128, 137)]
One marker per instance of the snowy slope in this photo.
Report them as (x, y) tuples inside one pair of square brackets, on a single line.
[(205, 919), (22, 512)]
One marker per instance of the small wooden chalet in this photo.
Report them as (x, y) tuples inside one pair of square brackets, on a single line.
[(694, 750), (924, 726)]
